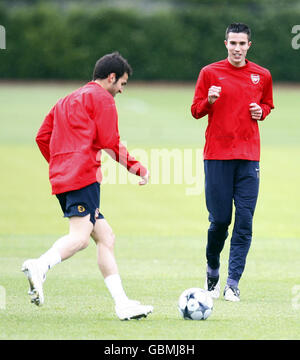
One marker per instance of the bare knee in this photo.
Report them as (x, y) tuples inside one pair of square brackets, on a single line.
[(108, 240), (103, 235), (80, 240), (83, 242)]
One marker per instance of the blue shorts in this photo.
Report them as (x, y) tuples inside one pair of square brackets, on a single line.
[(82, 202)]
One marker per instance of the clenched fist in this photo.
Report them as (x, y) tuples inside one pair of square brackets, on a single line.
[(255, 111), (213, 93)]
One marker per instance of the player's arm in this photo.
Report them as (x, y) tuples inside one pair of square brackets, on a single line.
[(44, 135), (109, 140), (262, 110), (121, 155), (267, 98), (204, 97)]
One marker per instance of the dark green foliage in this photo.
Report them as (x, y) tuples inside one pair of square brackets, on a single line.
[(63, 41)]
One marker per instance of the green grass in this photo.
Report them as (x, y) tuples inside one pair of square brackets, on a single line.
[(160, 231)]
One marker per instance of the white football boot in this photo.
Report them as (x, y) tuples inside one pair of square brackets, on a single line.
[(231, 293), (132, 309), (212, 286), (35, 277)]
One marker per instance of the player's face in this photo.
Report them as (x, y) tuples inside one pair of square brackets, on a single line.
[(237, 45), (117, 86)]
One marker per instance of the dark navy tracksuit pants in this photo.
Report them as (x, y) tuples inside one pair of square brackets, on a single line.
[(229, 182)]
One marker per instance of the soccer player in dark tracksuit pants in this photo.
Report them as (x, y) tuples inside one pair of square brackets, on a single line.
[(235, 93)]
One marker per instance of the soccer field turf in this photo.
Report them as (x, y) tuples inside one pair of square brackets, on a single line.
[(160, 229)]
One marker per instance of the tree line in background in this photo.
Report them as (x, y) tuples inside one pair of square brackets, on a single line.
[(52, 40)]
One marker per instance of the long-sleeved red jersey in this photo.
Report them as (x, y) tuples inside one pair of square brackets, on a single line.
[(231, 132), (73, 133)]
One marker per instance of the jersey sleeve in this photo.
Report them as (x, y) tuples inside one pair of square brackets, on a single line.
[(121, 155), (267, 98), (44, 135), (200, 106), (109, 138)]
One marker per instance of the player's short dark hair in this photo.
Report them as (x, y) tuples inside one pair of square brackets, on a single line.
[(238, 28), (111, 63)]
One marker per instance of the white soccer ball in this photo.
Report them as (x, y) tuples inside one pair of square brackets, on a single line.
[(195, 304)]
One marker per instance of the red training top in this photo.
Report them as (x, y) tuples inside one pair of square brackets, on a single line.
[(231, 132), (74, 131)]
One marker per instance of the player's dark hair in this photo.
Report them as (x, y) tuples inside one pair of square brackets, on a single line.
[(238, 28), (111, 63)]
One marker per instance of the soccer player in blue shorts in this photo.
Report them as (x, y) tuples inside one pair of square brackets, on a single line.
[(71, 138)]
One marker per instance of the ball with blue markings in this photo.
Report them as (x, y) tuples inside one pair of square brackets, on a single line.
[(195, 304)]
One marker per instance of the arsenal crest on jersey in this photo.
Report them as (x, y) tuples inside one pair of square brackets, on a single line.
[(255, 78)]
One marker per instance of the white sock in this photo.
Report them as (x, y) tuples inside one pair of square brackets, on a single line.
[(49, 259), (115, 287)]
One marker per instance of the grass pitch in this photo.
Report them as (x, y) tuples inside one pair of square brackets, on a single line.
[(160, 230)]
